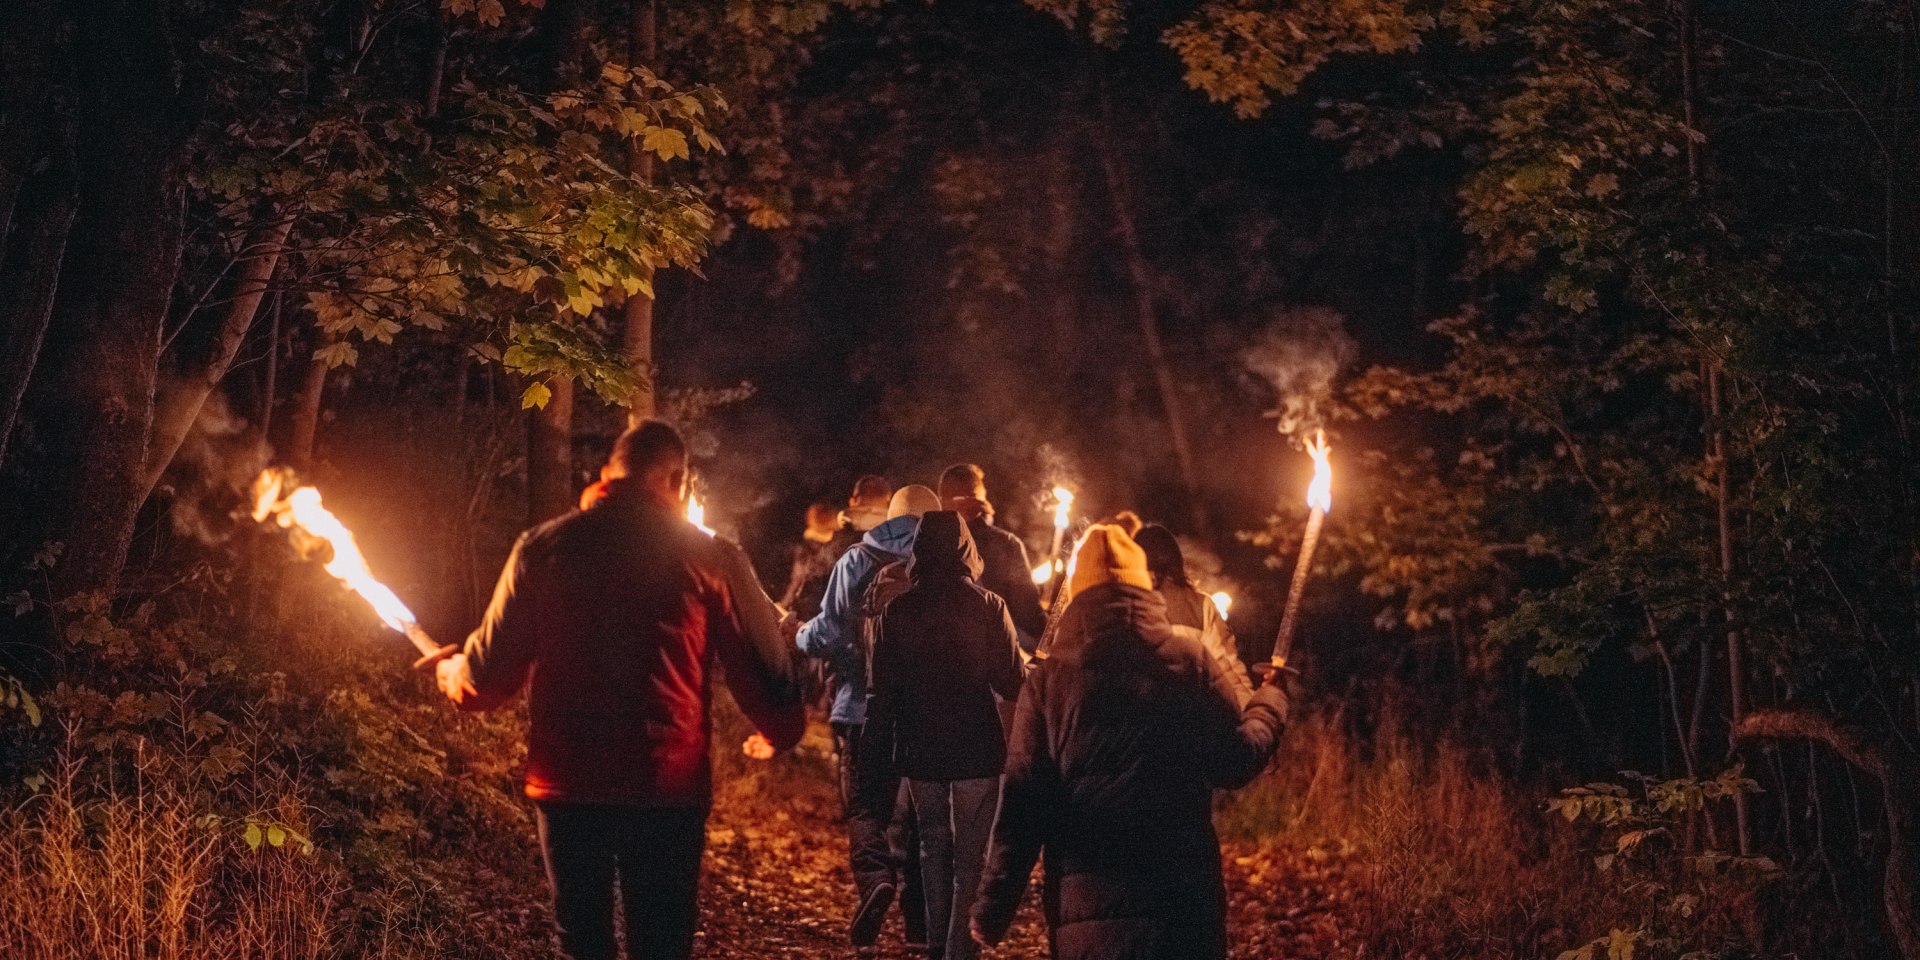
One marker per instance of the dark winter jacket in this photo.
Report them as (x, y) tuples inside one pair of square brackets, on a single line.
[(947, 650), (1006, 573), (1119, 739), (618, 614)]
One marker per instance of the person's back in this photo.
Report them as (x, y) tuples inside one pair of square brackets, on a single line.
[(616, 614), (625, 597), (1005, 570), (947, 655), (1120, 737)]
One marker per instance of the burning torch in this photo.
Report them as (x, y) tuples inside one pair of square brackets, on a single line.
[(278, 497), (1319, 501)]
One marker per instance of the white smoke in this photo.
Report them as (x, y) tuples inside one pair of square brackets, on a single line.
[(1298, 354)]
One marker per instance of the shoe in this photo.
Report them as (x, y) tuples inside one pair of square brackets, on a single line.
[(864, 931)]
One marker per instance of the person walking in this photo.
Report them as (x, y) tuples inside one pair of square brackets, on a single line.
[(1120, 737), (1006, 570), (813, 559), (882, 849), (616, 615), (947, 653), (1191, 612)]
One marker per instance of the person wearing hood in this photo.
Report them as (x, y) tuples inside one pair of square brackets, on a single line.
[(1005, 568), (1191, 612), (881, 848), (1120, 737), (948, 653)]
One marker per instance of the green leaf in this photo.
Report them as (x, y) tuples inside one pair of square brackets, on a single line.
[(536, 395)]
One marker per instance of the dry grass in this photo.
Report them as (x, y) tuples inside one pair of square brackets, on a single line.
[(145, 875)]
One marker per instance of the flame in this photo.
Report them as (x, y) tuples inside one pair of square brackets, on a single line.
[(1222, 601), (697, 514), (1062, 507), (300, 509), (1320, 491), (1045, 572)]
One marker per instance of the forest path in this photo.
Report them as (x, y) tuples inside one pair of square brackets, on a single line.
[(777, 885)]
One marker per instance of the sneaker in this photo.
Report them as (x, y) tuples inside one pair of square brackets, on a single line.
[(864, 931)]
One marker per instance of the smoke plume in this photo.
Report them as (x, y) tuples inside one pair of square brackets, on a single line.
[(1298, 354)]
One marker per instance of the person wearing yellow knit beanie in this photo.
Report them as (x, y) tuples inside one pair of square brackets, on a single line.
[(1120, 737)]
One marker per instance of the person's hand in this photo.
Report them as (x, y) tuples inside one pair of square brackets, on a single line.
[(757, 747), (454, 680)]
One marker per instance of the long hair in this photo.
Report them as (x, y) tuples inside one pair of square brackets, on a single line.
[(1164, 560)]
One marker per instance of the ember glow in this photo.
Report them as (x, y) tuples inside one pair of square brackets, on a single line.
[(276, 497), (1222, 601)]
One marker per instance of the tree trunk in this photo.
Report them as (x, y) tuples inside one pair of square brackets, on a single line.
[(550, 490), (1140, 273), (642, 50), (304, 418), (1895, 774), (116, 282), (29, 48), (29, 276), (181, 401)]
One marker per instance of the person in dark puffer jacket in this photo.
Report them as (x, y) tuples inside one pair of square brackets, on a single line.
[(1120, 737), (948, 654)]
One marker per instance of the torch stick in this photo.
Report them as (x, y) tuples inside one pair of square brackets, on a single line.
[(1319, 501), (431, 652), (1283, 642)]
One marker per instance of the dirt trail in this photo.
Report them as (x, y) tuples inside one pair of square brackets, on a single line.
[(777, 884)]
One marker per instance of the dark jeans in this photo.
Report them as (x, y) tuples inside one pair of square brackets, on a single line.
[(882, 842), (955, 818), (655, 854)]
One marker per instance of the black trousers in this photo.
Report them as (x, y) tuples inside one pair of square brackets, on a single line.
[(883, 842), (654, 852)]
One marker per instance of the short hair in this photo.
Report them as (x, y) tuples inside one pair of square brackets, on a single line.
[(872, 488), (1165, 561), (961, 480), (648, 445)]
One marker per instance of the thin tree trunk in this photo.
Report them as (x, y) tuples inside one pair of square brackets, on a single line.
[(1736, 669), (183, 399), (1140, 273), (29, 277), (642, 50), (270, 380), (304, 418)]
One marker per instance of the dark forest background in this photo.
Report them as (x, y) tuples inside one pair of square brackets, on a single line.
[(1607, 306)]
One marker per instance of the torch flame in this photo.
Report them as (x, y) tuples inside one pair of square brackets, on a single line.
[(1045, 572), (1222, 601), (1320, 491), (1062, 507), (697, 514), (300, 509)]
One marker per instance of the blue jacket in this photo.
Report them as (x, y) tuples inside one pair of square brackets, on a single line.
[(834, 634)]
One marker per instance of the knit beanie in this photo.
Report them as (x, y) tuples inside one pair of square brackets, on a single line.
[(1107, 555), (914, 500)]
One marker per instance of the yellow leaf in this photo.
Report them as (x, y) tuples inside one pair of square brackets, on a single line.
[(536, 395)]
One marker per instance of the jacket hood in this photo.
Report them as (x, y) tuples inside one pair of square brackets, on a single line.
[(1112, 619), (894, 536), (945, 548)]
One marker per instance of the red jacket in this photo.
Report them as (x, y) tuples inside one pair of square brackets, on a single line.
[(618, 614)]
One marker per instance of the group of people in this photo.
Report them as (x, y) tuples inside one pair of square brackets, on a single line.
[(972, 734)]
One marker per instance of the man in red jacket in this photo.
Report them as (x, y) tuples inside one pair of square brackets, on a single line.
[(617, 614)]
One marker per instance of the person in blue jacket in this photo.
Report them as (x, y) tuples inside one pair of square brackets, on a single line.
[(881, 848)]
